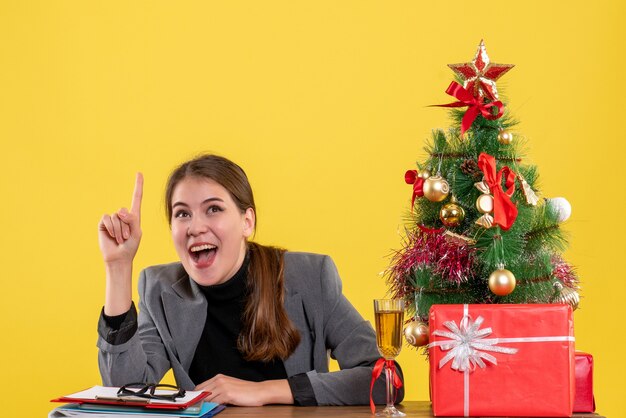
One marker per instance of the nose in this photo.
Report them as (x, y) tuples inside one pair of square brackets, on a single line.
[(197, 226)]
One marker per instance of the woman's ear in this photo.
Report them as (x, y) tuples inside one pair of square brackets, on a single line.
[(249, 222)]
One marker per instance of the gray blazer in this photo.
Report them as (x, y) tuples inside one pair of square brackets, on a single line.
[(172, 312)]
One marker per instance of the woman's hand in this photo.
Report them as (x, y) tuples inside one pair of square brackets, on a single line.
[(120, 233), (233, 391)]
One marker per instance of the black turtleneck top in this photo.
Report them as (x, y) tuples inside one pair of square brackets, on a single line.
[(217, 349)]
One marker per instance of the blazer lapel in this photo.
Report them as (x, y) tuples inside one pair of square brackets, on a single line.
[(185, 314), (301, 360)]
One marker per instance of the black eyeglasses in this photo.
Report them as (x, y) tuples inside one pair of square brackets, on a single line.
[(146, 390)]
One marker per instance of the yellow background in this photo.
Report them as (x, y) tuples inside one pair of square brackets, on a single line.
[(324, 104)]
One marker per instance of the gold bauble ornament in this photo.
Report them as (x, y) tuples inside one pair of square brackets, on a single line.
[(423, 174), (484, 203), (566, 295), (505, 137), (416, 333), (436, 188), (451, 214), (501, 282)]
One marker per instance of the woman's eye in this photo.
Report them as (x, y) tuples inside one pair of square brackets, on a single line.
[(181, 214), (214, 209)]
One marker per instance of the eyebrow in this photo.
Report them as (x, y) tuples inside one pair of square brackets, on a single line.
[(210, 199)]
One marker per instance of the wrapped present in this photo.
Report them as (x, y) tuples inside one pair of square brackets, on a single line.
[(584, 400), (502, 360)]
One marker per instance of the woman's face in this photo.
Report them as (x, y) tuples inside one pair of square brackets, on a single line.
[(209, 230)]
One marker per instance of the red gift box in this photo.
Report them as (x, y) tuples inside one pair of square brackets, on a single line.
[(502, 360), (584, 401)]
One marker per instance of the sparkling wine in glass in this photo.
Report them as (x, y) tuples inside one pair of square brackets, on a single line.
[(389, 314)]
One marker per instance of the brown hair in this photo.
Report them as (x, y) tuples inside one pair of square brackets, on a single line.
[(267, 331)]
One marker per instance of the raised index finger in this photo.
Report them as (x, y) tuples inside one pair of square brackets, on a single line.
[(135, 207)]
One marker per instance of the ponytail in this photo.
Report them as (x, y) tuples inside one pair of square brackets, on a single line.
[(267, 331)]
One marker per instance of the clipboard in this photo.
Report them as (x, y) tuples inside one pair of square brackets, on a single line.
[(105, 395)]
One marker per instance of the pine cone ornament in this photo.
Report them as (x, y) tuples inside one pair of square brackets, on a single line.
[(471, 169)]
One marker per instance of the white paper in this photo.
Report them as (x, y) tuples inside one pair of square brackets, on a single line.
[(111, 392)]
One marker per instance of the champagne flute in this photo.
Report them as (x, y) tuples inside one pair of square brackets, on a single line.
[(389, 315)]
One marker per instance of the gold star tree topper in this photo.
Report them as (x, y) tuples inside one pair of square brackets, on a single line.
[(480, 74)]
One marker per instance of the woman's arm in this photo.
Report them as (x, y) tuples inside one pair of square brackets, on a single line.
[(352, 342), (119, 235), (122, 358), (135, 352)]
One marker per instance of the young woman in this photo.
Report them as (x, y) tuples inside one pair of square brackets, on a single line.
[(249, 323)]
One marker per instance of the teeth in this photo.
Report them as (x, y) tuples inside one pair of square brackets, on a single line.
[(197, 248)]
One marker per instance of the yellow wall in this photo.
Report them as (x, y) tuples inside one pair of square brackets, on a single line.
[(324, 104)]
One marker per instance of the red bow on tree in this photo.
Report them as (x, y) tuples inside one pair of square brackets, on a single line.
[(381, 363), (475, 105), (410, 177), (504, 210)]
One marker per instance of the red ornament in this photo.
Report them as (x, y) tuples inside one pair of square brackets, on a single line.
[(480, 74), (411, 177), (474, 105), (504, 210)]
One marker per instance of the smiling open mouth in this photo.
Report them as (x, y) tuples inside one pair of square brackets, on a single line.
[(202, 254)]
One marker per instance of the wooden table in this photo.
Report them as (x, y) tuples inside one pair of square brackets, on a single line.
[(410, 408)]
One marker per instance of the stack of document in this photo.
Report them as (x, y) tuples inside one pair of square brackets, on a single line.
[(103, 402)]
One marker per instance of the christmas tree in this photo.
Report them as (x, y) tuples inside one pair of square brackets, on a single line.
[(478, 230)]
